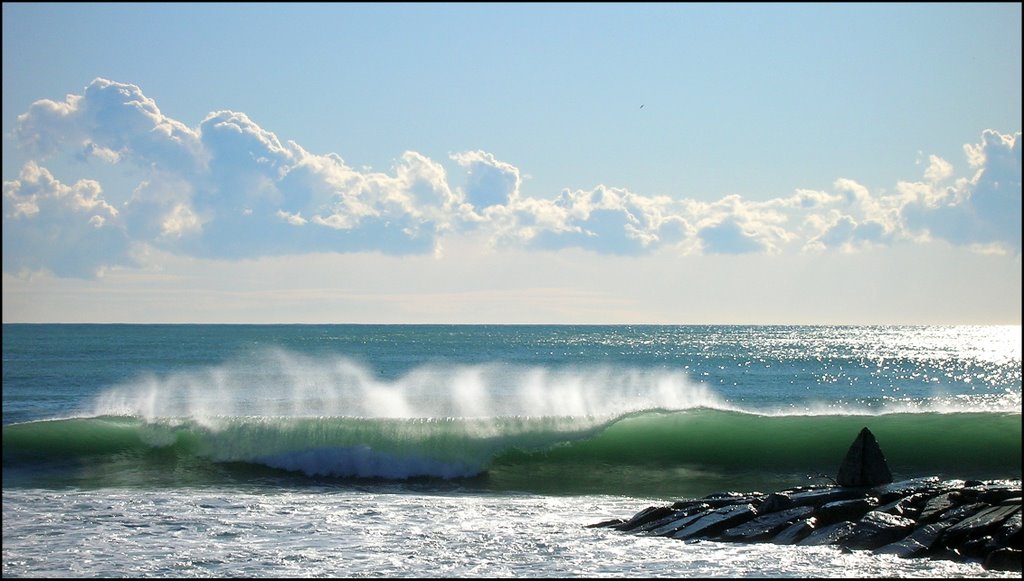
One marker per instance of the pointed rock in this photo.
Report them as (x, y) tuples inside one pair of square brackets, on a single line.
[(864, 464)]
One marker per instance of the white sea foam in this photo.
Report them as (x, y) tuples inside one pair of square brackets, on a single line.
[(284, 384)]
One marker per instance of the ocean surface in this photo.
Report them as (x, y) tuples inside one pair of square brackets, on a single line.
[(469, 451)]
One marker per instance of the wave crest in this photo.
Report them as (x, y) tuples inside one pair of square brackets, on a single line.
[(282, 384)]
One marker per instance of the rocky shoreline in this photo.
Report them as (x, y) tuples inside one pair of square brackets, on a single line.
[(970, 520), (962, 520)]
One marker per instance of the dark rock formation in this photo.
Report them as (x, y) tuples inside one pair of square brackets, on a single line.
[(767, 525), (795, 532), (877, 529), (864, 464), (841, 510), (1003, 560), (954, 519), (865, 510), (716, 521)]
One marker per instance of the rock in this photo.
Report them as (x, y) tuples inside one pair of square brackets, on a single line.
[(923, 488), (878, 529), (653, 524), (764, 526), (997, 495), (830, 535), (906, 506), (916, 543), (981, 522), (645, 516), (662, 525), (978, 548), (841, 510), (721, 499), (937, 505), (819, 497), (957, 520), (775, 501), (904, 549), (670, 528), (605, 524), (864, 465), (960, 513), (1009, 533), (903, 488), (717, 521), (795, 532), (1003, 560)]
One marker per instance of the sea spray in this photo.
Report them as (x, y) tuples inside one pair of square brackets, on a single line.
[(278, 383)]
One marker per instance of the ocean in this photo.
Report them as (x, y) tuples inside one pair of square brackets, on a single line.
[(469, 450)]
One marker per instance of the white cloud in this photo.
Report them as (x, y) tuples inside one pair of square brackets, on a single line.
[(982, 212), (231, 189), (110, 118), (67, 229), (938, 169), (728, 237), (491, 182), (179, 221)]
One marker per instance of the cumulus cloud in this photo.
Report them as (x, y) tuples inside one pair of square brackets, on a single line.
[(229, 188), (607, 220), (982, 211), (67, 229), (490, 182), (728, 237)]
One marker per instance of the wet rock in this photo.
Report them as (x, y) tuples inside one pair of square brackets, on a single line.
[(939, 504), (1009, 534), (977, 548), (907, 506), (982, 521), (1003, 560), (607, 523), (795, 532), (819, 497), (721, 499), (717, 521), (829, 535), (775, 501), (1000, 494), (650, 525), (877, 529), (763, 527), (864, 464), (686, 504), (946, 554), (672, 527), (917, 543), (698, 509), (953, 521), (645, 516), (840, 510), (960, 513), (905, 549), (890, 492)]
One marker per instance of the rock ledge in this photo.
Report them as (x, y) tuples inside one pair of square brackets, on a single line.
[(960, 520)]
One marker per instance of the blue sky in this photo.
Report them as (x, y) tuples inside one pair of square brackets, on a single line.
[(487, 163)]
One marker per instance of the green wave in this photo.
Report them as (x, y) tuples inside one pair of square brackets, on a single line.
[(651, 453)]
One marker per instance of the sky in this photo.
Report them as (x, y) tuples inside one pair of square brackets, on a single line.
[(512, 163)]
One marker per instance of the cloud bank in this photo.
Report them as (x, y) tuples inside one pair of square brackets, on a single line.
[(230, 189)]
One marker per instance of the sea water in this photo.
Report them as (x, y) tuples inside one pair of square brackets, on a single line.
[(422, 450)]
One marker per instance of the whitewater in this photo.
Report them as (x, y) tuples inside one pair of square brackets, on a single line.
[(383, 450)]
